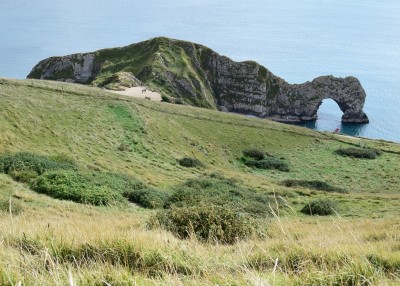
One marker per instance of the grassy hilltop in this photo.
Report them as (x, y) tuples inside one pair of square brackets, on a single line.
[(96, 199), (179, 70)]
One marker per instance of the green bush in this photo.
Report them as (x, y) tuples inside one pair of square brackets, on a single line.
[(78, 187), (368, 153), (100, 196), (206, 223), (268, 163), (315, 185), (254, 153), (24, 165), (120, 183), (222, 192), (319, 207), (147, 198), (165, 98), (190, 162)]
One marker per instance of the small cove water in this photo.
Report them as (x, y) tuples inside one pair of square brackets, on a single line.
[(297, 40)]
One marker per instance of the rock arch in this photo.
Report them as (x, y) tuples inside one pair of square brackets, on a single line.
[(346, 92), (305, 99)]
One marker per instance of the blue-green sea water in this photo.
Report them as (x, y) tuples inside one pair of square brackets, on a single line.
[(297, 40)]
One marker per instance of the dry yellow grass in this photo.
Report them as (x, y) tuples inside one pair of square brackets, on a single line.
[(292, 251)]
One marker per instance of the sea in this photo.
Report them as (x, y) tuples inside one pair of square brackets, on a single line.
[(297, 40)]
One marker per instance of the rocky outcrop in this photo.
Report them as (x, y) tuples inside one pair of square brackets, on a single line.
[(201, 77), (306, 98), (251, 89), (120, 81), (78, 68)]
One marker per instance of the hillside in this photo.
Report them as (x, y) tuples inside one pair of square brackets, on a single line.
[(122, 142), (191, 73)]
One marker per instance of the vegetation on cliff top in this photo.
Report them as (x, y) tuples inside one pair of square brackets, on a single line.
[(175, 68)]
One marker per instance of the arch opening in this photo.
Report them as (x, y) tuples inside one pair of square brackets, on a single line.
[(329, 115)]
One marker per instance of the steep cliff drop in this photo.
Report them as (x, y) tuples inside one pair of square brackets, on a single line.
[(196, 75)]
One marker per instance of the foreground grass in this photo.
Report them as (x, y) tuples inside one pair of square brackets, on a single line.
[(49, 242)]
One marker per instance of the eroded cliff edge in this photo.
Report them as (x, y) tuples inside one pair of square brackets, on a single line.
[(199, 76)]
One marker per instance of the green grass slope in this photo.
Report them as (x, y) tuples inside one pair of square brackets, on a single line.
[(90, 125), (108, 133), (154, 62)]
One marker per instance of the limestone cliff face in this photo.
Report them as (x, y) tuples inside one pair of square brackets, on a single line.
[(73, 68), (201, 77), (307, 98)]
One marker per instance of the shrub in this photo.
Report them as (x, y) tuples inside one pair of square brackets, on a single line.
[(319, 207), (165, 98), (147, 198), (206, 223), (100, 196), (183, 197), (254, 153), (368, 153), (268, 163), (221, 192), (315, 185), (25, 165), (117, 182), (76, 186), (190, 162)]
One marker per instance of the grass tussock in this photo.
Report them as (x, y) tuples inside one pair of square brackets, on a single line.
[(254, 153), (367, 153), (116, 252), (190, 162), (268, 164), (255, 158), (147, 198), (297, 260), (320, 207)]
